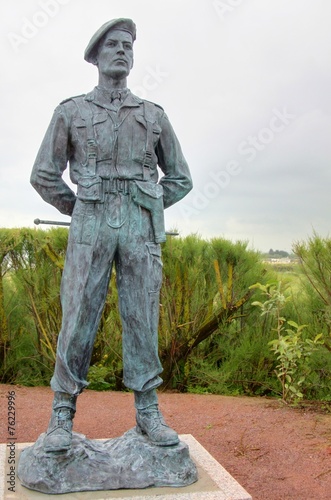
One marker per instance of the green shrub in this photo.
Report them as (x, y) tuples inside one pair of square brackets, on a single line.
[(211, 336)]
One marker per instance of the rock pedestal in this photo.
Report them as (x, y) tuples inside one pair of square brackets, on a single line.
[(129, 461)]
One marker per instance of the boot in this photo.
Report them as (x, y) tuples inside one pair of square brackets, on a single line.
[(150, 421), (59, 433)]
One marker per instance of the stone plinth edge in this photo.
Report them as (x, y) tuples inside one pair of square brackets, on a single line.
[(214, 482)]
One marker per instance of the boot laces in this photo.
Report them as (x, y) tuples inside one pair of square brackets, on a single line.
[(154, 415), (63, 417)]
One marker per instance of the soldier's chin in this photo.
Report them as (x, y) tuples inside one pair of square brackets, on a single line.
[(120, 72)]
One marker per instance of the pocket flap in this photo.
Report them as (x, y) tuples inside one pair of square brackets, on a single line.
[(140, 119), (79, 122), (156, 128), (100, 117), (154, 248), (150, 188), (87, 182)]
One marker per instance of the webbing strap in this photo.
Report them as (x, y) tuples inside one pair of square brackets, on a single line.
[(85, 111), (149, 146)]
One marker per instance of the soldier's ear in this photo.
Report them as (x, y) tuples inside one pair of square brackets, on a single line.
[(94, 56)]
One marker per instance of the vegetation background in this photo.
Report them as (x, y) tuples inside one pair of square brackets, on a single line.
[(230, 322)]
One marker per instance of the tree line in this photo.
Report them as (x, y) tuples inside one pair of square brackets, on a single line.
[(212, 337)]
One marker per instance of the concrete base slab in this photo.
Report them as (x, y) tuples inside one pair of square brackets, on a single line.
[(214, 482)]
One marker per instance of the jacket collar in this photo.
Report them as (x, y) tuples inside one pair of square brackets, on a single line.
[(98, 98)]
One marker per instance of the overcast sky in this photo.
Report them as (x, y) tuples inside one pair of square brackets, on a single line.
[(245, 83)]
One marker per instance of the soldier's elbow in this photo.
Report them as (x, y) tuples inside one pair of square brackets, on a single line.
[(188, 185)]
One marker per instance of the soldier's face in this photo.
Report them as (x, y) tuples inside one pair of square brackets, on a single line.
[(115, 54)]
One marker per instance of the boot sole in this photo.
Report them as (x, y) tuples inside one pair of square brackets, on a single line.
[(156, 443), (53, 449)]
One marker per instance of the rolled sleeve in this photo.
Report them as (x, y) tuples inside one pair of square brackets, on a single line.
[(51, 161), (176, 181)]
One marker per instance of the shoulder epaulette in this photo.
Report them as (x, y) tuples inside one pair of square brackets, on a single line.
[(154, 103), (73, 97)]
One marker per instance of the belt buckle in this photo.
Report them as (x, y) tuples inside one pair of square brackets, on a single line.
[(120, 185)]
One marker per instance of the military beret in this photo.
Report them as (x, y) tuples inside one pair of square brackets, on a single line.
[(116, 24)]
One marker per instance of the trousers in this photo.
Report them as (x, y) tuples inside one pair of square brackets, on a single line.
[(116, 232)]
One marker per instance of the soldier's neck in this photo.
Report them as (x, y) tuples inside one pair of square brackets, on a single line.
[(109, 83)]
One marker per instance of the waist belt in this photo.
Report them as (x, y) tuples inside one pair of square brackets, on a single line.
[(117, 186)]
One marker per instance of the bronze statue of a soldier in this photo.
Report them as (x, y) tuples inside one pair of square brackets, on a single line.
[(113, 142)]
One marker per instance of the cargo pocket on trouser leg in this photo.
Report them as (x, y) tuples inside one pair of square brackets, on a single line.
[(154, 278), (83, 223), (155, 266)]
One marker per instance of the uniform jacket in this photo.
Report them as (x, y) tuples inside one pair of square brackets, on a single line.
[(130, 145)]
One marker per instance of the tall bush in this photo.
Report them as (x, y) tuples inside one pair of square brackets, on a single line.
[(205, 290), (32, 283), (211, 337), (315, 264)]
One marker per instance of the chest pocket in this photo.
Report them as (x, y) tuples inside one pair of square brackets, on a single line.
[(97, 118), (100, 117), (79, 123), (151, 126), (100, 133), (79, 134), (151, 134)]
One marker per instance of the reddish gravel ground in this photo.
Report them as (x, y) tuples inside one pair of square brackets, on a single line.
[(273, 451)]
